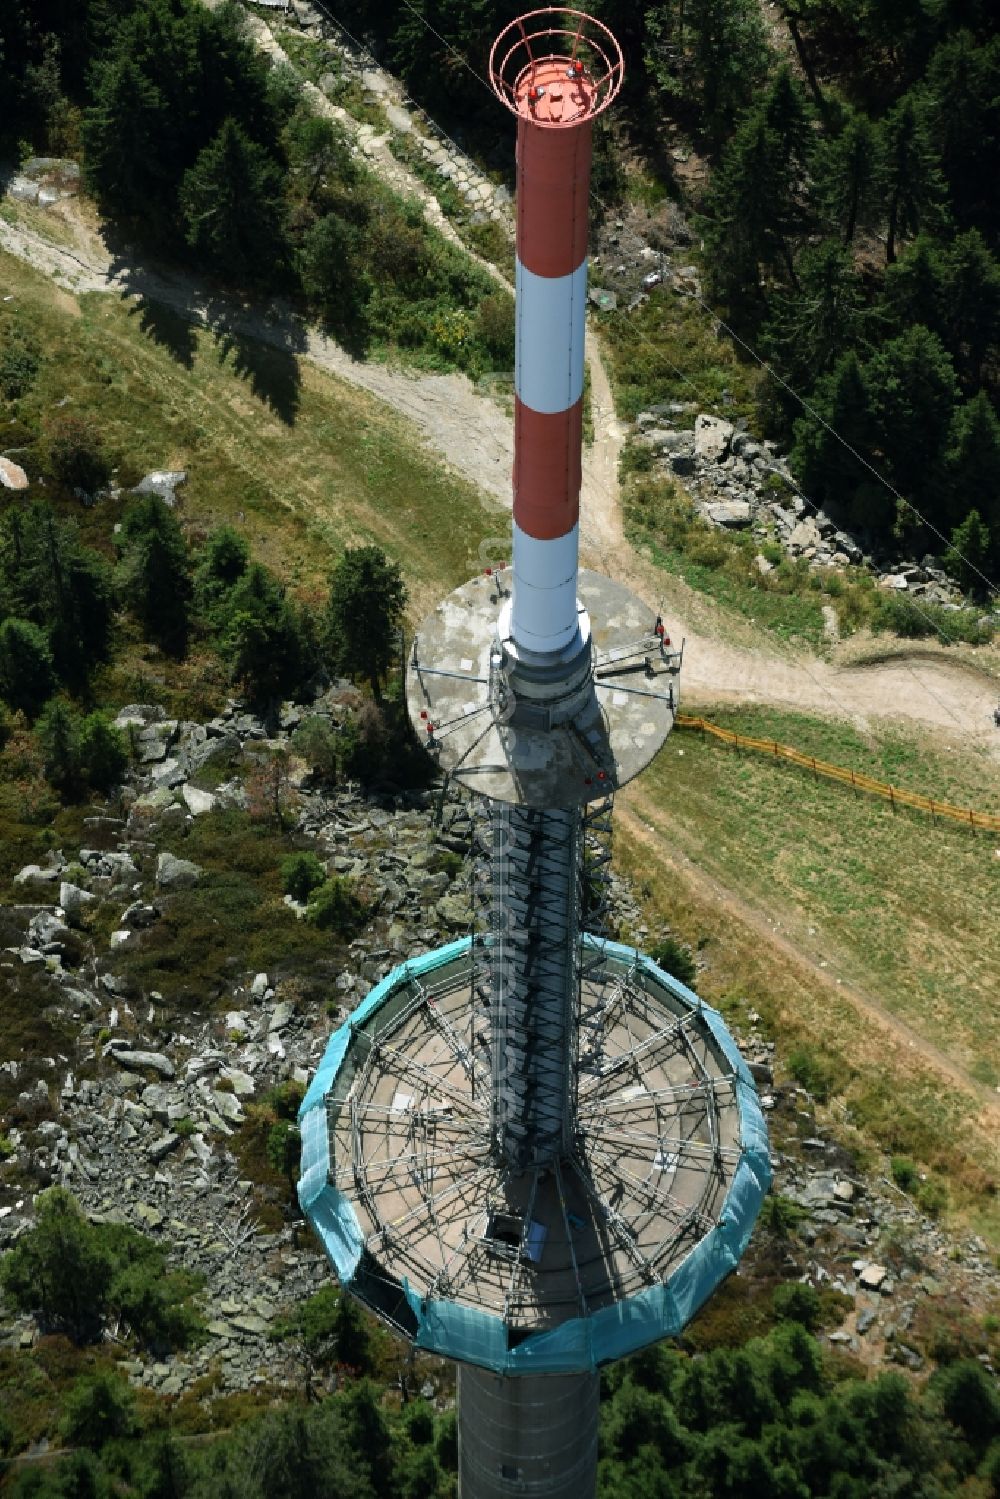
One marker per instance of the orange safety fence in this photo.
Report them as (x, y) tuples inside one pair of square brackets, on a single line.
[(896, 795)]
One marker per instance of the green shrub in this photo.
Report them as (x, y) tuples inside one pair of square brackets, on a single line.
[(335, 907), (780, 1215), (18, 368), (675, 958), (932, 1197), (76, 454), (100, 1408), (27, 677), (904, 1172), (283, 1147), (333, 1329), (301, 874), (318, 743), (59, 1270), (813, 1071), (72, 1273), (797, 1302), (901, 615), (103, 752)]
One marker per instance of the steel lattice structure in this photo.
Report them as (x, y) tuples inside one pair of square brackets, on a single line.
[(532, 1150)]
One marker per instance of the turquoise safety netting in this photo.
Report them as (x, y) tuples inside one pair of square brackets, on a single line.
[(478, 1337)]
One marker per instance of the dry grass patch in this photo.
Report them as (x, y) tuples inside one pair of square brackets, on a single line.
[(866, 936)]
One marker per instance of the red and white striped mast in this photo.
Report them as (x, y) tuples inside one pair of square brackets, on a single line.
[(556, 70)]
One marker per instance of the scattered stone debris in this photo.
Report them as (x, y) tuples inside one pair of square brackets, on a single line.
[(45, 180), (139, 1120)]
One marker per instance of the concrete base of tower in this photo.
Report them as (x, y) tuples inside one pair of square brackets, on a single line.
[(476, 704), (534, 1435)]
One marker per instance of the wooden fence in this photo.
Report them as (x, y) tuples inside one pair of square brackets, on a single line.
[(895, 795)]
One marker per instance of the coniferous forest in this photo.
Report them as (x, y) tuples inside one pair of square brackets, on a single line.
[(850, 223), (850, 220)]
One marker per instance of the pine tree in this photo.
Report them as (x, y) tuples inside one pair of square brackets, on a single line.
[(153, 573), (971, 318), (849, 172), (830, 473), (974, 466), (914, 182), (233, 208), (914, 393), (27, 677), (963, 87), (365, 612)]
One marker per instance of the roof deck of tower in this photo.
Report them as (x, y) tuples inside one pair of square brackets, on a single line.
[(667, 1120)]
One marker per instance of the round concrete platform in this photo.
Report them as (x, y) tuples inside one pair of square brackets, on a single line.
[(622, 723)]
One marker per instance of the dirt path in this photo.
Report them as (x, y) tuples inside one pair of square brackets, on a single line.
[(644, 822), (447, 410)]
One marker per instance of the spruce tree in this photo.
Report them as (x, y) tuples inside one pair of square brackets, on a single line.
[(974, 466), (830, 473), (365, 613), (849, 172), (64, 588), (232, 205), (968, 556), (124, 134), (814, 323), (915, 185), (27, 677), (153, 573), (58, 732), (914, 289), (971, 320), (963, 88), (263, 638), (914, 394)]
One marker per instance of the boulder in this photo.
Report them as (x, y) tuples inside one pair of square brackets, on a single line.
[(197, 801), (227, 1106), (260, 986), (140, 1061), (873, 1277), (280, 1017), (74, 901), (734, 515), (712, 436), (804, 536), (12, 476), (36, 875), (242, 1083), (163, 1146), (162, 482), (176, 874)]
